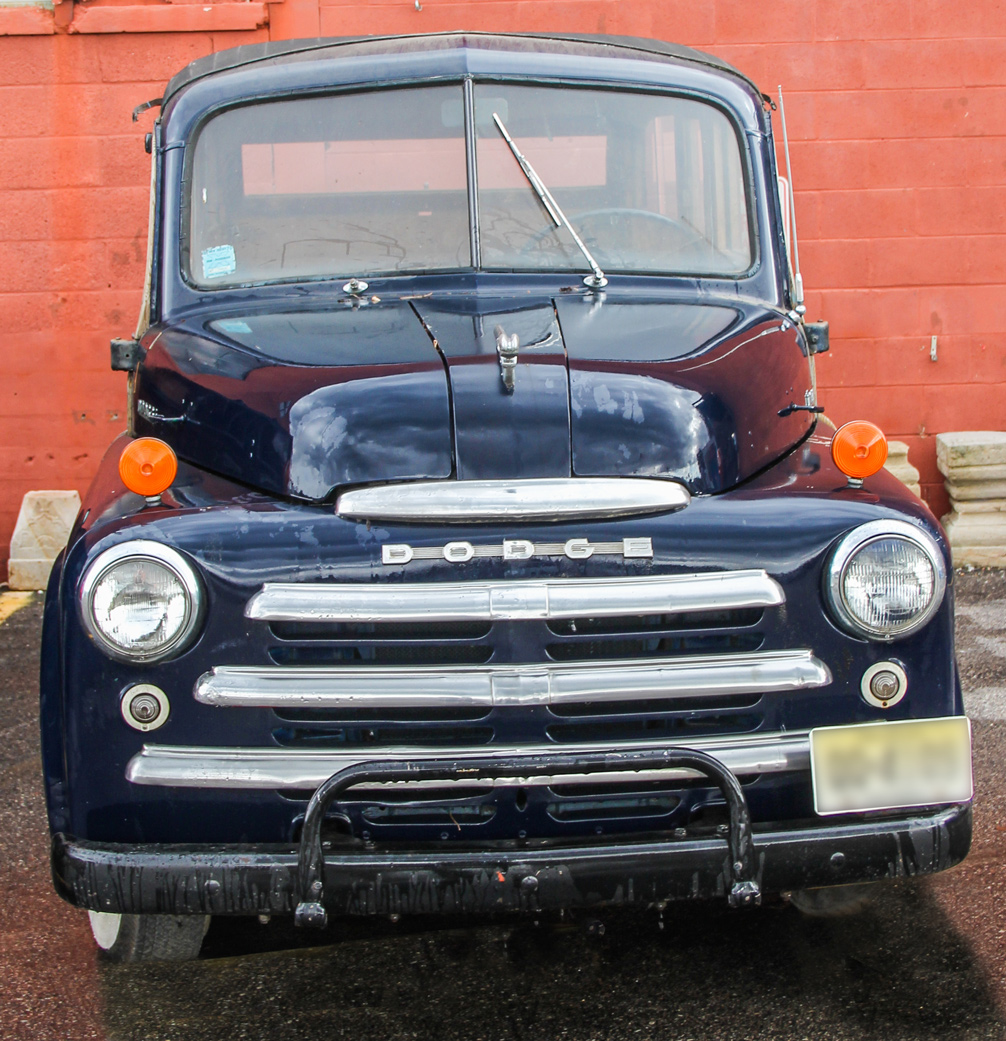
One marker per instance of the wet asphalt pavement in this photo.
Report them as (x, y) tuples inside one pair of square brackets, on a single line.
[(927, 960)]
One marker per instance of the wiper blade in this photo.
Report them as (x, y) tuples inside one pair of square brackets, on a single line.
[(595, 280)]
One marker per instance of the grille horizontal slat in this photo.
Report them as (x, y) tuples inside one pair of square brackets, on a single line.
[(644, 625), (285, 769), (672, 729), (380, 735), (521, 599), (380, 632), (498, 685), (593, 649), (371, 655)]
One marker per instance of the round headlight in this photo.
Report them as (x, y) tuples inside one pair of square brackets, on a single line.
[(141, 601), (885, 580)]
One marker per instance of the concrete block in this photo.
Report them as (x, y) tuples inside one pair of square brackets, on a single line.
[(974, 464), (975, 529), (975, 490), (979, 556), (42, 528), (980, 506), (970, 448), (898, 464), (28, 574), (967, 474)]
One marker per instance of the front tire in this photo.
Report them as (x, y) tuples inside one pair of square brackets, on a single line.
[(148, 937)]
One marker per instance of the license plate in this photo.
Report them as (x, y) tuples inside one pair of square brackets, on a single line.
[(888, 766)]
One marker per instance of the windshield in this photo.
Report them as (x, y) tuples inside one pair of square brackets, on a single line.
[(649, 182), (333, 186), (376, 183)]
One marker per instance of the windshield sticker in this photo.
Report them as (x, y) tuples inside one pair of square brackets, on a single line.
[(219, 261)]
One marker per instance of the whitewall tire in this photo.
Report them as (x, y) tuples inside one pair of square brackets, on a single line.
[(148, 937)]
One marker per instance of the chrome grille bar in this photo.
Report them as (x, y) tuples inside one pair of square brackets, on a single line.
[(277, 768), (465, 686), (559, 598), (537, 499)]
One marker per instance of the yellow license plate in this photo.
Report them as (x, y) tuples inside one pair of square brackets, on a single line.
[(888, 766)]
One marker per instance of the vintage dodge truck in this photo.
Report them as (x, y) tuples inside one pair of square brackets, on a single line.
[(476, 544)]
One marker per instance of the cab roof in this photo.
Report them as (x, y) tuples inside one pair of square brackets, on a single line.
[(281, 52)]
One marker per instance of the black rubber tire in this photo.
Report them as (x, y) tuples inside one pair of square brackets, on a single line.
[(834, 901), (149, 937)]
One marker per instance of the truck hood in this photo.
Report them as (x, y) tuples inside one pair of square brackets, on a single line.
[(302, 402)]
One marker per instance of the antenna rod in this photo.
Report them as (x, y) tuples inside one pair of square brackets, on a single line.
[(798, 278)]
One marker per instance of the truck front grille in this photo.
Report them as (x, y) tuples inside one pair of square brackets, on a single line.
[(575, 661)]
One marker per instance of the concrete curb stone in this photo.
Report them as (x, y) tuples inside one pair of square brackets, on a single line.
[(43, 526)]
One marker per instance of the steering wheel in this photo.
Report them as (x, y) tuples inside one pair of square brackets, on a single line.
[(581, 222)]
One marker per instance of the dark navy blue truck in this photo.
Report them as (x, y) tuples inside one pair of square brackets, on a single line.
[(476, 544)]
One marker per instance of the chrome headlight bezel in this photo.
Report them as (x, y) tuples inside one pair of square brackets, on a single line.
[(166, 557), (846, 550)]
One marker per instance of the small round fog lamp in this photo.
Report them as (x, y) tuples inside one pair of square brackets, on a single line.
[(145, 707), (884, 684)]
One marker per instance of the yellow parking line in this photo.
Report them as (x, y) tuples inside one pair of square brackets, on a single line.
[(11, 602)]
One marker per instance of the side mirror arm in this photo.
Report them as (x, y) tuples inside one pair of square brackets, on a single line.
[(817, 336), (126, 355)]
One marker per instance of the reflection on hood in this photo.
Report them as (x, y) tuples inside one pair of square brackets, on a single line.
[(644, 426), (302, 401), (370, 429)]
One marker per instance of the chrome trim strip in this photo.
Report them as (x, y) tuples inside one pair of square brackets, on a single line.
[(491, 686), (523, 598), (536, 499), (278, 768)]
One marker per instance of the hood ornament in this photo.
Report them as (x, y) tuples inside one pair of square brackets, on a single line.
[(507, 347)]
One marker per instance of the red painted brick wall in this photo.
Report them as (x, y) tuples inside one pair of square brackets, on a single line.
[(897, 118)]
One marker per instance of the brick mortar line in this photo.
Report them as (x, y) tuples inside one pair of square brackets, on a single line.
[(828, 388), (874, 40), (912, 287), (906, 287), (804, 240), (895, 238), (897, 140), (912, 188)]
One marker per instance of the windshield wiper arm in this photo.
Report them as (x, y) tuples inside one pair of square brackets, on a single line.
[(597, 279)]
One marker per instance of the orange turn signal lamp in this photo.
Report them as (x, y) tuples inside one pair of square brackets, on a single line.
[(859, 449), (147, 466)]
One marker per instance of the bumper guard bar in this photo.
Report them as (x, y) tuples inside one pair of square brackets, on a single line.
[(310, 911)]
